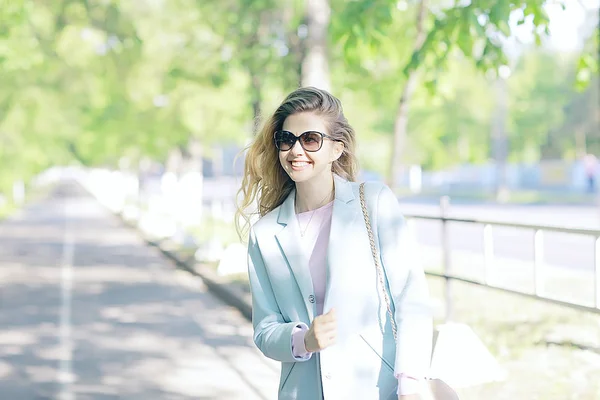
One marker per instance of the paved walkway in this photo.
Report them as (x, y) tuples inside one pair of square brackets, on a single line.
[(88, 311)]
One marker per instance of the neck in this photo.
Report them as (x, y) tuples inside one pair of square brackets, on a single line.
[(312, 195)]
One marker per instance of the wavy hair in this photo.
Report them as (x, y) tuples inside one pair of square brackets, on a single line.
[(265, 184)]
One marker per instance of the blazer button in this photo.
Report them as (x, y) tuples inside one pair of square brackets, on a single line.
[(311, 298)]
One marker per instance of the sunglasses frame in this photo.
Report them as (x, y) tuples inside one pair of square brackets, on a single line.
[(297, 138)]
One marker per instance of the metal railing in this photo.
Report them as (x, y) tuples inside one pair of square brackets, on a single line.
[(488, 254)]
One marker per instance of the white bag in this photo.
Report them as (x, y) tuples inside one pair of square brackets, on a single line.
[(433, 389)]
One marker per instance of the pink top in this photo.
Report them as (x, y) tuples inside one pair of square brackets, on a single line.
[(316, 227)]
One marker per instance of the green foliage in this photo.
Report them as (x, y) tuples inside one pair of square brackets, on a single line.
[(92, 81), (478, 28), (452, 125), (537, 105), (377, 39)]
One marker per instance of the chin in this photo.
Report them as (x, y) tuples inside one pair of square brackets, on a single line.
[(300, 176), (305, 176)]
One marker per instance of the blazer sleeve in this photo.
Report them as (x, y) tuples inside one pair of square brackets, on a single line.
[(408, 288), (272, 335)]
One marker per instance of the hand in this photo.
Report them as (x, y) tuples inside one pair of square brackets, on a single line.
[(322, 333)]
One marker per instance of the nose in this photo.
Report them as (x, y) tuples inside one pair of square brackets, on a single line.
[(297, 149)]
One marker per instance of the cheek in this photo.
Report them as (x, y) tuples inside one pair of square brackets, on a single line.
[(321, 159), (282, 160)]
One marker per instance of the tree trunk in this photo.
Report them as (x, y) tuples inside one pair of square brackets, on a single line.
[(580, 141), (255, 67), (401, 121), (256, 96), (296, 40), (499, 137), (315, 65)]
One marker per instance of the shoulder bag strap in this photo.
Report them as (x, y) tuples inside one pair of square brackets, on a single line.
[(380, 273)]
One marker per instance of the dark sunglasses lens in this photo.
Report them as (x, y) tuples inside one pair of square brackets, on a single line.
[(284, 140), (311, 141)]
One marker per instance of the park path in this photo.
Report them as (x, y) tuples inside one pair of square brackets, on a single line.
[(89, 311)]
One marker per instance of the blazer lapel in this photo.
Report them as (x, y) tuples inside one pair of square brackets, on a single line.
[(344, 213), (289, 242)]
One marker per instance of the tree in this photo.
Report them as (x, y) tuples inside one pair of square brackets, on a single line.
[(315, 65), (263, 38), (539, 91), (476, 29)]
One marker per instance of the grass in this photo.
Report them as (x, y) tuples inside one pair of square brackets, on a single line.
[(547, 351), (576, 286), (213, 228)]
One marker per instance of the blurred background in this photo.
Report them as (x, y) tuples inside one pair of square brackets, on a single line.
[(482, 115)]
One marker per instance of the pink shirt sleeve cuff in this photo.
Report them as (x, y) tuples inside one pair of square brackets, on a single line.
[(298, 348), (408, 385)]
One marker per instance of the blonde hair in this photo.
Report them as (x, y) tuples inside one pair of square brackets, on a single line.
[(265, 181)]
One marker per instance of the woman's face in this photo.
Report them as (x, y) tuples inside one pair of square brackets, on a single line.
[(302, 165)]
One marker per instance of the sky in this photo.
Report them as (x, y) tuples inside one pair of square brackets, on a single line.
[(565, 25)]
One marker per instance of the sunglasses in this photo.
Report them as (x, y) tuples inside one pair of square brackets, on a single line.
[(310, 141)]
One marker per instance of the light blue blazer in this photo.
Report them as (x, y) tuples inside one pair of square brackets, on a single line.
[(361, 364)]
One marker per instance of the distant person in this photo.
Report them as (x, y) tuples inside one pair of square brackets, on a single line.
[(318, 301), (590, 163)]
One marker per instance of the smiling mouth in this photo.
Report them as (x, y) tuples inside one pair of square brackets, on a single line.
[(299, 165)]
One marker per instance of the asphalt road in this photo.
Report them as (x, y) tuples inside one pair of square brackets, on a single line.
[(560, 249), (88, 311)]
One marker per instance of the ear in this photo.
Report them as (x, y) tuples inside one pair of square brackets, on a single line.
[(337, 151)]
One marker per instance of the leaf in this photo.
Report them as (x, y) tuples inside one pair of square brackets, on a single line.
[(431, 86), (465, 41), (504, 28), (479, 29), (500, 12)]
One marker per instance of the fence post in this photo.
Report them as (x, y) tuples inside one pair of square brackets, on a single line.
[(488, 253), (597, 272), (444, 206), (538, 262)]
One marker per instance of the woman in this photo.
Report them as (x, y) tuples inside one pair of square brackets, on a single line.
[(317, 307)]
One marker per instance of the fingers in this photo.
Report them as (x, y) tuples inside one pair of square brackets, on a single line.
[(326, 322), (323, 344), (324, 326), (318, 341), (328, 317), (323, 331), (325, 340)]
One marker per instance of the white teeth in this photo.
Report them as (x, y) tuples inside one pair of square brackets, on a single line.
[(299, 163)]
